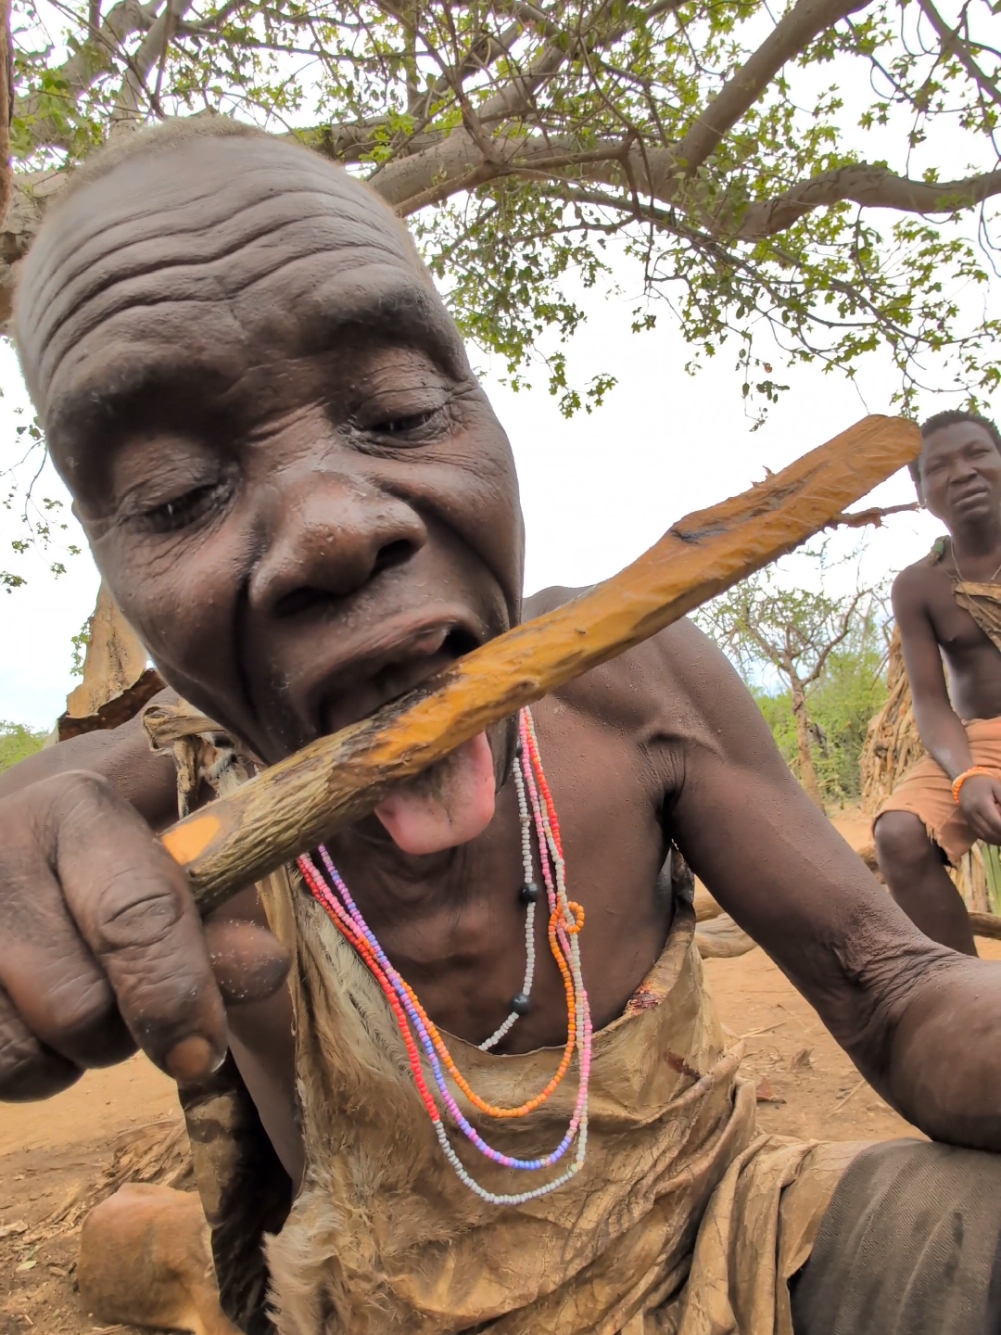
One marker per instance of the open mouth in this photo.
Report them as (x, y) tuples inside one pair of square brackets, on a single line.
[(398, 679), (388, 672), (452, 802)]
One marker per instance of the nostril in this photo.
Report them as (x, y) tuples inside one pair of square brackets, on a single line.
[(393, 554), (459, 642), (309, 597)]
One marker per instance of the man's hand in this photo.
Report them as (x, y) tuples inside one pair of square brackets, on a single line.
[(101, 948), (980, 802)]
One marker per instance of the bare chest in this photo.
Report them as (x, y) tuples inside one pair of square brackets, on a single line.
[(464, 940), (961, 639), (974, 664)]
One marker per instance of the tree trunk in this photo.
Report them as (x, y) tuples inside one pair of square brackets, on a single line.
[(807, 773)]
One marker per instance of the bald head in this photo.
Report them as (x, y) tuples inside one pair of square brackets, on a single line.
[(189, 229)]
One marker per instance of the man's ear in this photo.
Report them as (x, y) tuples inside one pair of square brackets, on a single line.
[(914, 469)]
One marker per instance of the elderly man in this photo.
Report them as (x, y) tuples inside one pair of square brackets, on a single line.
[(304, 505)]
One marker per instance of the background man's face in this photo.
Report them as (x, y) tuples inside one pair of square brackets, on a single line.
[(961, 474), (289, 478)]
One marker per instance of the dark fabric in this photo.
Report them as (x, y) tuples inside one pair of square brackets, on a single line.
[(910, 1245), (244, 1189)]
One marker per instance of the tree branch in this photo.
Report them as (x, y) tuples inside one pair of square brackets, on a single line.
[(871, 186), (805, 21), (133, 90), (828, 649), (874, 516), (94, 58), (953, 45)]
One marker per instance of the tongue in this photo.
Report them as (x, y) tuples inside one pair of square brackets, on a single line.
[(450, 805)]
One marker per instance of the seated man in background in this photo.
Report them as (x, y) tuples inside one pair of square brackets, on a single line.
[(948, 605), (302, 502)]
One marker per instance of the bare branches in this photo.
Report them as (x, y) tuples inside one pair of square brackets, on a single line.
[(835, 638), (954, 45), (874, 516)]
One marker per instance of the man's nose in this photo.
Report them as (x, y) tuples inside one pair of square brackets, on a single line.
[(962, 471), (328, 535)]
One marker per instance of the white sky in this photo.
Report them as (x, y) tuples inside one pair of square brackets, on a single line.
[(596, 490)]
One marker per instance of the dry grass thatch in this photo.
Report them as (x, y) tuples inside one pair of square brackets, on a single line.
[(892, 744)]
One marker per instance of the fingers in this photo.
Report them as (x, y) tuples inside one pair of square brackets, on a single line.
[(48, 972), (980, 801), (101, 946), (984, 814), (28, 1070), (248, 962), (135, 912)]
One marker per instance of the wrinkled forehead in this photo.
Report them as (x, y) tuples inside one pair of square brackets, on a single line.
[(213, 246), (953, 439)]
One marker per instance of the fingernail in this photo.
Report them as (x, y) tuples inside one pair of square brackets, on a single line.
[(193, 1059)]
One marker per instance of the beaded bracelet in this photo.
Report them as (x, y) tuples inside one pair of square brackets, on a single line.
[(960, 779)]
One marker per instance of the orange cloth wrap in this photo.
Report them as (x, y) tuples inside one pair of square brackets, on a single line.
[(926, 791)]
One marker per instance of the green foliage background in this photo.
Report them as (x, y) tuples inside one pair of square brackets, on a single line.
[(850, 692), (17, 742)]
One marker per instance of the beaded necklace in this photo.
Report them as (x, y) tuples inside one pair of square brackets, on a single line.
[(566, 918)]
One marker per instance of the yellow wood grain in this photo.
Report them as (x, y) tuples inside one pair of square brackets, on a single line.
[(336, 780)]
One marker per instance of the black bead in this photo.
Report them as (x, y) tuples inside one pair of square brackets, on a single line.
[(520, 1004), (529, 892)]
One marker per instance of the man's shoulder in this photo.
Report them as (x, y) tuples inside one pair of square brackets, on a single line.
[(923, 576), (547, 600), (643, 679)]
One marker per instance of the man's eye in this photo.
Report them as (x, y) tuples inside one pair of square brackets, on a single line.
[(183, 510), (406, 424)]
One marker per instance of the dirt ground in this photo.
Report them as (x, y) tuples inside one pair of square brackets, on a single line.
[(55, 1158)]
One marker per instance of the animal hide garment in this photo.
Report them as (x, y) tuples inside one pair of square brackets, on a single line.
[(684, 1220)]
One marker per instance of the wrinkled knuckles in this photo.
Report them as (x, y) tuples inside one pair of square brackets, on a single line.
[(140, 917), (27, 1069), (68, 799), (81, 1020)]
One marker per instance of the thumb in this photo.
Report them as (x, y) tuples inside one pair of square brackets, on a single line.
[(248, 962)]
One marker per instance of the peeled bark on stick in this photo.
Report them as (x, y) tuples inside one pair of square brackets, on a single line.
[(336, 780)]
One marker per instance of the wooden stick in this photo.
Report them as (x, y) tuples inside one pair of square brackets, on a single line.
[(985, 924), (336, 780)]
